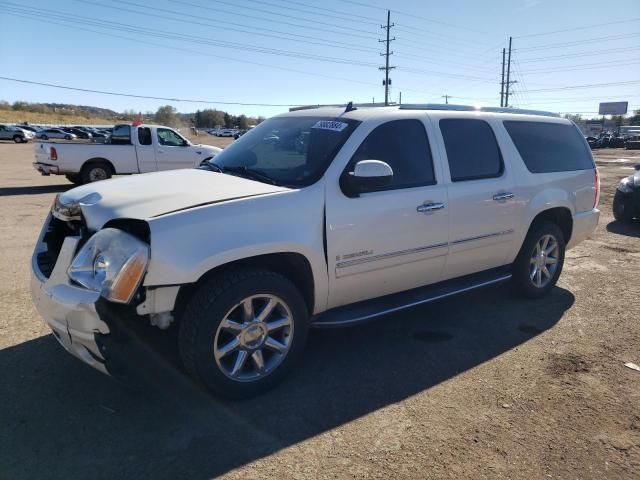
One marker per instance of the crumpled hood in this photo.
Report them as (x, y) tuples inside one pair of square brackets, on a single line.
[(152, 194)]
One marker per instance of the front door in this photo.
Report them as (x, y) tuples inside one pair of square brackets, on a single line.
[(173, 151), (391, 239), (482, 201), (145, 151)]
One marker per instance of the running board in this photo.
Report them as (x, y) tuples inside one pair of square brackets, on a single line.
[(367, 310)]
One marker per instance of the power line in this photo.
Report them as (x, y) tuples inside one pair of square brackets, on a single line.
[(413, 15), (585, 27), (132, 95), (578, 42), (593, 85), (590, 53), (193, 39), (585, 66), (295, 9)]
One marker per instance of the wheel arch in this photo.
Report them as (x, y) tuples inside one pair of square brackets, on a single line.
[(99, 160), (291, 265), (561, 216)]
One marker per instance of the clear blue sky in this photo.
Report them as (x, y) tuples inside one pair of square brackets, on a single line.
[(206, 49)]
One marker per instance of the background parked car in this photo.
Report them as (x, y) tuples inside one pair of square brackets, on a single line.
[(29, 128), (18, 135), (626, 202), (56, 133), (78, 132)]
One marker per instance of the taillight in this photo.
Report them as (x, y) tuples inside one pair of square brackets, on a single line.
[(53, 154), (597, 195)]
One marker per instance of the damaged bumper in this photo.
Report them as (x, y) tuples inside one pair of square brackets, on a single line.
[(46, 169), (69, 310)]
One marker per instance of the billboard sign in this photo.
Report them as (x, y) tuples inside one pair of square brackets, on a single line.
[(613, 108)]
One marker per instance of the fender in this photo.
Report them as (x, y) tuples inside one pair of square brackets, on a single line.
[(187, 244)]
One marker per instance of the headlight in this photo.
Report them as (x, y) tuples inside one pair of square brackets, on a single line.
[(626, 185), (113, 263)]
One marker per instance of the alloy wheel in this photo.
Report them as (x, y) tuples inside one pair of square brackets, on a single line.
[(253, 338), (544, 261)]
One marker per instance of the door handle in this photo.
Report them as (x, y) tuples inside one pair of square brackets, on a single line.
[(430, 207), (160, 151), (498, 197)]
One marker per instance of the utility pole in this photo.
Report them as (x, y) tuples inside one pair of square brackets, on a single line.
[(446, 99), (400, 99), (386, 82), (502, 81), (508, 84)]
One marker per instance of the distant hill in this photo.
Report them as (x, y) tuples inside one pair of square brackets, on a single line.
[(81, 110)]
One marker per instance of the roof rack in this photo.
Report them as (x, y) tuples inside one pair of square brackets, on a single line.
[(470, 108), (341, 105)]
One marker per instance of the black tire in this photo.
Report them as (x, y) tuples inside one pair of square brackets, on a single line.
[(622, 207), (207, 308), (18, 139), (90, 171), (522, 281), (44, 137), (67, 137), (74, 178)]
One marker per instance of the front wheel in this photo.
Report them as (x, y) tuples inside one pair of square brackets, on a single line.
[(18, 139), (67, 137), (243, 331), (622, 207), (44, 137), (540, 260)]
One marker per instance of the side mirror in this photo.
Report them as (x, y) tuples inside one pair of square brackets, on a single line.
[(367, 176)]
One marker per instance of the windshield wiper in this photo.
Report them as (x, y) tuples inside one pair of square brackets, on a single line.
[(250, 173)]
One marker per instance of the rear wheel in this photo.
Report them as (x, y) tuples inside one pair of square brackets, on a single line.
[(96, 171), (622, 207), (74, 178), (540, 260), (243, 331)]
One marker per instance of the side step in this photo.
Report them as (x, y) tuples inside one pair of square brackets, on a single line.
[(369, 309)]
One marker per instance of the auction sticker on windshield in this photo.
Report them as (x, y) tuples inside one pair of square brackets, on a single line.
[(331, 125)]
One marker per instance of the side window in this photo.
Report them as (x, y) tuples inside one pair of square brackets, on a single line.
[(472, 149), (549, 147), (144, 135), (403, 144), (121, 135), (169, 138)]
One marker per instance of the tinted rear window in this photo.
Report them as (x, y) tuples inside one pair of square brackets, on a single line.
[(472, 150), (550, 147)]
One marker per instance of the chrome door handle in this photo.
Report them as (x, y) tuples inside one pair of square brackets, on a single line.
[(160, 151), (503, 196), (429, 207)]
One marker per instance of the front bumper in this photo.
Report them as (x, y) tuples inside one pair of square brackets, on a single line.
[(584, 224), (69, 310), (46, 169)]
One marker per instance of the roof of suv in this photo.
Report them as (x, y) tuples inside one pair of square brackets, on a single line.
[(362, 112)]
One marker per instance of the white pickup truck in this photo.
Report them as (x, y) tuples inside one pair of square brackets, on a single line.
[(131, 149)]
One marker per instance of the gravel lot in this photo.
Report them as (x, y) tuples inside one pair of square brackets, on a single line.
[(481, 386)]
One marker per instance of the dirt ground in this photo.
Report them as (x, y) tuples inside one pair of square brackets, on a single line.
[(481, 386)]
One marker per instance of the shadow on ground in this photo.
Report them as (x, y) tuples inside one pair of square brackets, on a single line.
[(631, 229), (61, 419), (34, 190)]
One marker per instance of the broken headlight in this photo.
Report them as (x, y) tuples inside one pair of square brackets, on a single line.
[(65, 210), (113, 263)]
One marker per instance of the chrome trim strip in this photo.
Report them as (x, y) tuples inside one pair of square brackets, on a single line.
[(480, 237), (384, 256), (409, 305)]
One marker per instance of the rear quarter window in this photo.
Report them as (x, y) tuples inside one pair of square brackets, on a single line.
[(550, 147)]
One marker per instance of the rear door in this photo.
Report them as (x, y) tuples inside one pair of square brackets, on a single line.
[(387, 240), (482, 201)]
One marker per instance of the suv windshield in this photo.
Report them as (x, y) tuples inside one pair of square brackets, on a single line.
[(293, 151)]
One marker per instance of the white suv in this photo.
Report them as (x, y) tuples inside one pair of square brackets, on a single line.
[(320, 217)]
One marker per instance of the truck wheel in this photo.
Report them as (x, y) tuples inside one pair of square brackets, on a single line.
[(94, 172), (74, 178), (540, 260), (241, 332), (18, 139), (622, 207)]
